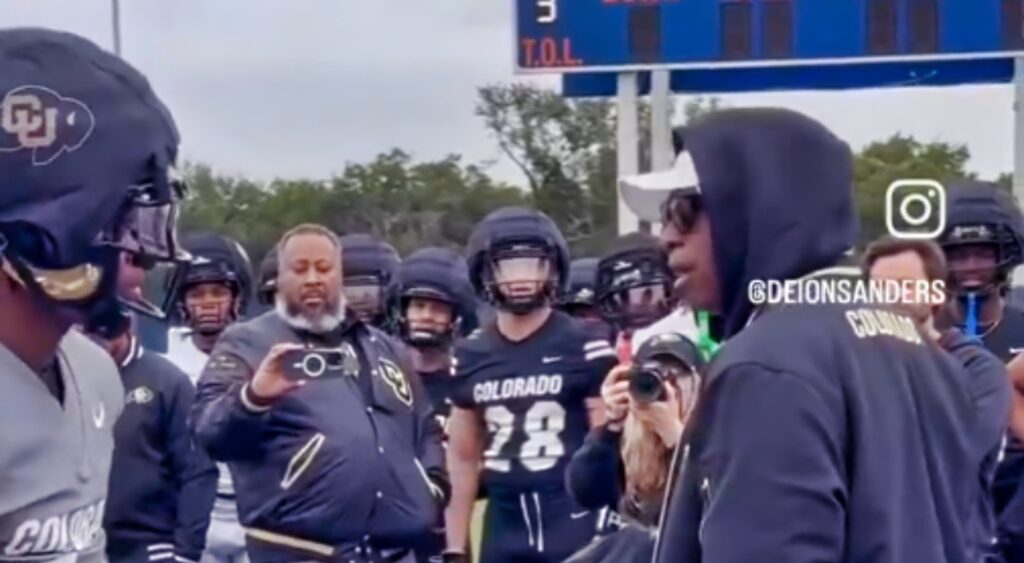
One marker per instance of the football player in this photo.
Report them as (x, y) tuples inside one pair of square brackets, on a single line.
[(86, 173), (579, 298), (212, 295), (430, 303), (368, 264), (266, 282), (162, 487), (634, 287), (526, 393), (983, 242)]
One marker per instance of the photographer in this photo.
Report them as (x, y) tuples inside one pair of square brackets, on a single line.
[(647, 403), (330, 438)]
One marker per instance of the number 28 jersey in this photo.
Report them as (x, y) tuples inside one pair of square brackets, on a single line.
[(532, 397)]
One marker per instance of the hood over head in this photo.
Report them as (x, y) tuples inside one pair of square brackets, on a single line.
[(777, 187)]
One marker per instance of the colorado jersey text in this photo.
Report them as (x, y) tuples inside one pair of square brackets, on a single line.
[(531, 395)]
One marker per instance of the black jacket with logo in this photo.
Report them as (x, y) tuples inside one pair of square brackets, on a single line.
[(162, 486), (330, 467)]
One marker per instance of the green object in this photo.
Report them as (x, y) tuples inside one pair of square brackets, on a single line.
[(707, 345)]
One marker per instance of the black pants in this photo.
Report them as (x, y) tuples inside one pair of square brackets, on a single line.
[(534, 527)]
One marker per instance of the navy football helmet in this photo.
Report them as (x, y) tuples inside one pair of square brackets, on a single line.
[(368, 265), (87, 152), (518, 259), (983, 239), (266, 284), (217, 259), (580, 295), (434, 274), (634, 282)]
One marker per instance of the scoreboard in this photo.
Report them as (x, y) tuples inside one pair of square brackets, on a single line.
[(597, 36)]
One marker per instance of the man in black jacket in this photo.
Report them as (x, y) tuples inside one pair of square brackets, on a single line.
[(344, 467), (826, 431), (162, 486)]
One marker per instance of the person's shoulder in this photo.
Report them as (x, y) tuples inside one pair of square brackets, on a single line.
[(257, 332), (477, 342), (162, 368), (570, 331), (79, 349), (1013, 313), (810, 339), (86, 357)]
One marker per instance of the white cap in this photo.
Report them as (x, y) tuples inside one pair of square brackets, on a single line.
[(644, 194)]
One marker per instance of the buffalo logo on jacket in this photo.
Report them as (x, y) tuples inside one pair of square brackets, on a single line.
[(393, 376), (140, 395)]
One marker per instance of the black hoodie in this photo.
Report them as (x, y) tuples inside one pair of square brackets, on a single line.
[(825, 432)]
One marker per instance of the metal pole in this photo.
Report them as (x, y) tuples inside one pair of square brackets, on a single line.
[(661, 123), (626, 141), (1018, 129), (115, 8), (1018, 144)]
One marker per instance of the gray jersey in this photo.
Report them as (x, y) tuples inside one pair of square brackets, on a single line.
[(54, 460)]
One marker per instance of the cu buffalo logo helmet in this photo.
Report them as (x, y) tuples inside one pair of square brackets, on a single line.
[(38, 119)]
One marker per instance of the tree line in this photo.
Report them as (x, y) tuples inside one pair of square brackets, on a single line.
[(565, 150)]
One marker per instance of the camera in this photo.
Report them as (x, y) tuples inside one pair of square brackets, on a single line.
[(313, 364), (647, 382)]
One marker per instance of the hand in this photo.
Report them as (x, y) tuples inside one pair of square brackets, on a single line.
[(615, 393), (270, 383), (662, 417)]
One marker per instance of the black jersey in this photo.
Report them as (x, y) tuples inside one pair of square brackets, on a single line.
[(531, 394), (439, 385), (1006, 340)]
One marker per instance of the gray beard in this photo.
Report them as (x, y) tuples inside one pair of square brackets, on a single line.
[(323, 324)]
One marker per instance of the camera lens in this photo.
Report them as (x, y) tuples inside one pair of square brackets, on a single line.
[(314, 365), (646, 386)]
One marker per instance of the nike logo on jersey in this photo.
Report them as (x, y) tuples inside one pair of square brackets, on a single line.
[(550, 359), (1016, 351), (99, 414), (578, 515)]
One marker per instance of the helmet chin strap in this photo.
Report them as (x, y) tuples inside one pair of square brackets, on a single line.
[(971, 315)]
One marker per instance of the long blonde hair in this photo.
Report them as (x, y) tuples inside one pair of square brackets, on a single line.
[(645, 457)]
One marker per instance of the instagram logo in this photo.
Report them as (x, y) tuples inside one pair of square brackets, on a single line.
[(915, 209)]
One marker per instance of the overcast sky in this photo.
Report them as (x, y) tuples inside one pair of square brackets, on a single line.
[(300, 87)]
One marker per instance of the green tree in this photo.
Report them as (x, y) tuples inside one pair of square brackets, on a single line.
[(563, 147), (407, 203), (567, 151)]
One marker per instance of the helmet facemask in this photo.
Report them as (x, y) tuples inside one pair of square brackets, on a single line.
[(521, 278), (91, 290), (980, 259), (428, 319), (365, 297)]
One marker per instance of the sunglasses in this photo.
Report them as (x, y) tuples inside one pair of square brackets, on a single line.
[(682, 208)]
